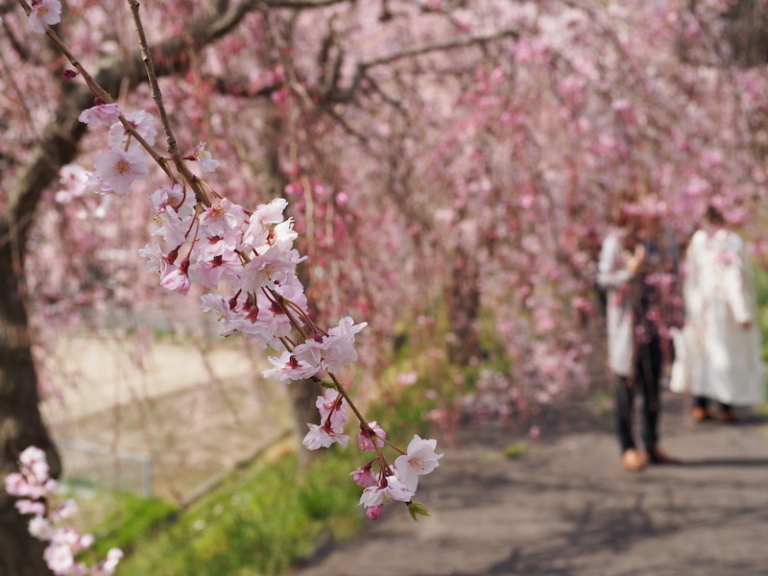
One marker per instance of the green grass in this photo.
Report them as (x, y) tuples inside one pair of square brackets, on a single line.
[(259, 522), (516, 451), (268, 515), (130, 515)]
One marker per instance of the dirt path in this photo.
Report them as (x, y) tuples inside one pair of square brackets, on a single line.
[(567, 508)]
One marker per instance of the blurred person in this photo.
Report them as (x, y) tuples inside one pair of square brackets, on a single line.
[(630, 259), (720, 345)]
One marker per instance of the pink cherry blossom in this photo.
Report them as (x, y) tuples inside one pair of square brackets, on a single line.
[(262, 224), (365, 442), (391, 488), (39, 527), (364, 476), (44, 13), (209, 273), (64, 542), (175, 225), (374, 512), (205, 158), (419, 460), (107, 566), (72, 178), (274, 266), (332, 408), (156, 261), (120, 138), (118, 169), (30, 507), (221, 218), (177, 279), (287, 367), (339, 345), (323, 437), (105, 114)]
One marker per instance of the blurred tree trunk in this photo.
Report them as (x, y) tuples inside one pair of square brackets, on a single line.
[(303, 393), (464, 308), (21, 425), (20, 422), (747, 32)]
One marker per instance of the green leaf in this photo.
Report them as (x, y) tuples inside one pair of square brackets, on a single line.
[(415, 508)]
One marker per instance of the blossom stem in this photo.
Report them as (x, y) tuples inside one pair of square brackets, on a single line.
[(99, 92), (157, 96)]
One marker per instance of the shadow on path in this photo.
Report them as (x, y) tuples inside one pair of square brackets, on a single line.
[(568, 509)]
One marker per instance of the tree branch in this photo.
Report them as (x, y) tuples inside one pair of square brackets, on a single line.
[(58, 145), (438, 47)]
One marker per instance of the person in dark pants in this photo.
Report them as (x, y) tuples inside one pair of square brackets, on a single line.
[(630, 268), (647, 377)]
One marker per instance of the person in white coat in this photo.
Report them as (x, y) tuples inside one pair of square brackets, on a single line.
[(719, 354), (629, 257)]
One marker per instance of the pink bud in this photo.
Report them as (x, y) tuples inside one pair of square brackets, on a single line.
[(374, 512)]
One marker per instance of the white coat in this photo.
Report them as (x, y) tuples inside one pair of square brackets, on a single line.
[(716, 356), (614, 275)]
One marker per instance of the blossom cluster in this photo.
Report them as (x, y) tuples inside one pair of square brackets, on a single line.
[(397, 482), (245, 261), (36, 492), (246, 264)]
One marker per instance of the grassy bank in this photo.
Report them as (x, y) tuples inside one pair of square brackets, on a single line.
[(266, 516)]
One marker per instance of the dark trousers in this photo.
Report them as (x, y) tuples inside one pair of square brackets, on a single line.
[(646, 380)]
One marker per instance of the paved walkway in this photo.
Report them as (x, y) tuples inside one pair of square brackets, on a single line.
[(567, 509)]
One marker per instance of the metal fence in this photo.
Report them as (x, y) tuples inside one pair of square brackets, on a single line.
[(88, 463)]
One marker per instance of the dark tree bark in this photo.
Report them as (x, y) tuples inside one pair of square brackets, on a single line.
[(21, 425), (20, 422), (747, 32), (463, 295)]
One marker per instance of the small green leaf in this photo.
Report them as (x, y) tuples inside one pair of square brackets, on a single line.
[(415, 508)]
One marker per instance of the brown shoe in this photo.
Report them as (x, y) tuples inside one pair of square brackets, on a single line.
[(727, 416), (701, 414), (658, 456), (632, 460)]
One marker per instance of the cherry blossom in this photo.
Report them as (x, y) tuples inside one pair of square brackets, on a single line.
[(388, 489), (205, 158), (65, 544), (419, 460), (323, 437), (104, 114), (287, 367), (177, 279), (366, 442), (245, 262), (364, 476), (120, 138), (333, 408), (118, 169), (44, 13)]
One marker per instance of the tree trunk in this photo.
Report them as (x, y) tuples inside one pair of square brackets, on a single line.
[(20, 422), (463, 309), (302, 393), (746, 32), (21, 425)]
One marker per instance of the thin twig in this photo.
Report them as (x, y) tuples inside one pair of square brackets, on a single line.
[(99, 92), (172, 147)]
